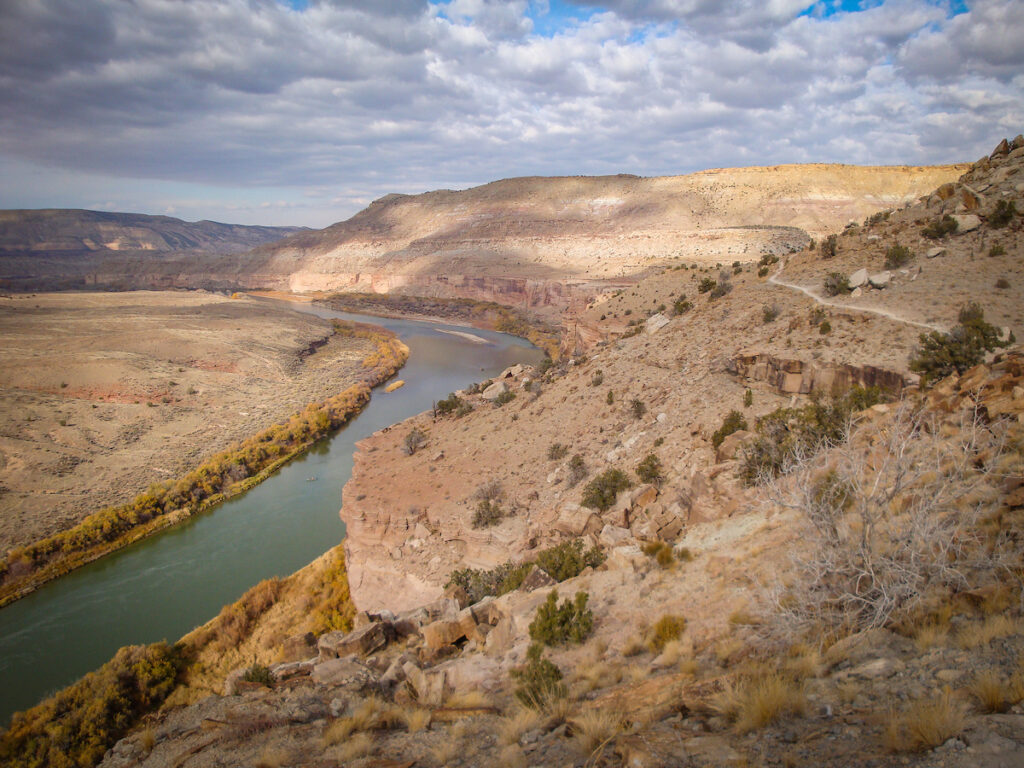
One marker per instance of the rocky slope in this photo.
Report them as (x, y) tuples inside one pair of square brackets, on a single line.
[(42, 249)]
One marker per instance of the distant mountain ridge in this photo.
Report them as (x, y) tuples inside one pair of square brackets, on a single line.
[(540, 243), (50, 249), (62, 230)]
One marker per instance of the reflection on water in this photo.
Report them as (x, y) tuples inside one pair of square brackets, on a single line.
[(164, 586)]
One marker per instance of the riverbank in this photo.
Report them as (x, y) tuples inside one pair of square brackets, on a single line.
[(486, 315), (217, 479)]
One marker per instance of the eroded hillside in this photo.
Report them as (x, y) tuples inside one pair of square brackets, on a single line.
[(506, 240)]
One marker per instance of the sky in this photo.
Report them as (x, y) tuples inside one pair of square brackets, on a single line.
[(301, 112)]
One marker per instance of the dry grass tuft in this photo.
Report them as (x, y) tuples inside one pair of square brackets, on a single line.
[(760, 700), (515, 725), (992, 693), (669, 627), (273, 758), (594, 729), (359, 745), (596, 675), (416, 719), (993, 627), (634, 647), (513, 757), (148, 740), (926, 723), (804, 661), (372, 712), (930, 635)]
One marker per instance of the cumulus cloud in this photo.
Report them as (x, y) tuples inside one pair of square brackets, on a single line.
[(342, 101)]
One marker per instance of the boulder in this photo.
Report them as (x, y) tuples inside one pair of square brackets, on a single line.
[(656, 322), (880, 279), (946, 191), (612, 536), (731, 445), (537, 578), (515, 370), (289, 669), (361, 641), (966, 222), (494, 391), (501, 637), (438, 634), (970, 198), (859, 278), (344, 672), (856, 293), (933, 252), (1003, 148), (643, 495)]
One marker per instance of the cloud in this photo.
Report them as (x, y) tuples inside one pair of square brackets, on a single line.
[(252, 98)]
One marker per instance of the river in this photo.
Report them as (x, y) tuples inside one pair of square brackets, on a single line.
[(162, 587)]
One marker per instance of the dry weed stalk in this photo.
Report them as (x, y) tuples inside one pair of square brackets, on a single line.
[(892, 513)]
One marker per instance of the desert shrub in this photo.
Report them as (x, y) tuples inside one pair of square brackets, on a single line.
[(787, 434), (1002, 283), (706, 284), (877, 218), (825, 328), (769, 313), (762, 271), (963, 347), (767, 259), (415, 439), (816, 315), (487, 513), (836, 283), (610, 397), (497, 581), (488, 510), (1003, 214), (722, 287), (896, 256), (505, 397), (577, 470), (661, 552), (557, 451), (996, 250), (540, 680), (748, 398), (828, 246), (561, 623), (940, 228), (258, 673), (597, 379), (681, 306), (666, 629), (567, 560), (649, 469), (333, 607), (451, 404), (600, 492), (733, 422), (737, 269), (77, 725), (638, 408)]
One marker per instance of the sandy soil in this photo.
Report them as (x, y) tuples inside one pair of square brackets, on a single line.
[(102, 394)]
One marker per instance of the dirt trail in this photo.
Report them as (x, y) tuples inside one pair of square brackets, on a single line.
[(774, 280)]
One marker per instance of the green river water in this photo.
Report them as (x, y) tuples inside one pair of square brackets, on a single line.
[(162, 587)]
